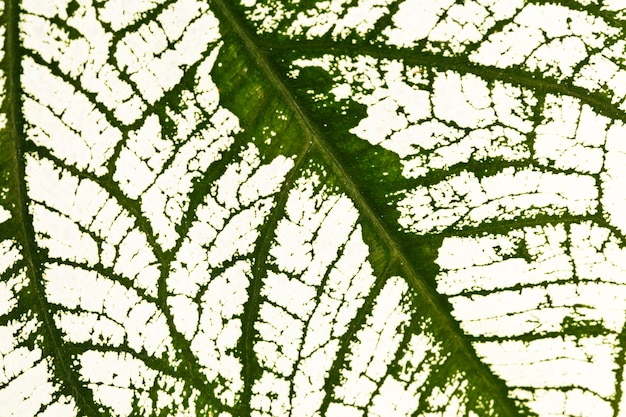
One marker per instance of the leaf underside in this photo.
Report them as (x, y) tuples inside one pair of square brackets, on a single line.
[(338, 208)]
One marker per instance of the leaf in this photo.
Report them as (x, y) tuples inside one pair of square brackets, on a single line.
[(334, 208)]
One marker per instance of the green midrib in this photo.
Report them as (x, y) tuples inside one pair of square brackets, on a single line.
[(432, 301)]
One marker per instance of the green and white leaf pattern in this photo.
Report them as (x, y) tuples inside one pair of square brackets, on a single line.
[(312, 208)]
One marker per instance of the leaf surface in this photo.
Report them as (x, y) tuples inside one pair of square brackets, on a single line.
[(320, 208)]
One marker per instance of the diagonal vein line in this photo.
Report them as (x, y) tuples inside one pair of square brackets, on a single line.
[(250, 363), (430, 299), (514, 75), (13, 106)]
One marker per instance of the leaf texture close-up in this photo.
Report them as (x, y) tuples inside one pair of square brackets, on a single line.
[(312, 208)]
